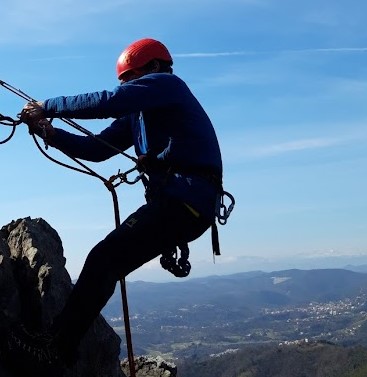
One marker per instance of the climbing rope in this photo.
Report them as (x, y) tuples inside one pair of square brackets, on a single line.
[(8, 121), (111, 184), (178, 266)]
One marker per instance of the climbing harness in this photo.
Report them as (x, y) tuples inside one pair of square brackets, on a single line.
[(111, 184), (177, 261)]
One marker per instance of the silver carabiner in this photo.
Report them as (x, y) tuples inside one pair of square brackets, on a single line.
[(222, 211), (123, 177)]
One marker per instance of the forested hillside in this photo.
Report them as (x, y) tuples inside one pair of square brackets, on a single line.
[(316, 359)]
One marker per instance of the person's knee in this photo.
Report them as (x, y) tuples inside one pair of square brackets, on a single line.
[(99, 261)]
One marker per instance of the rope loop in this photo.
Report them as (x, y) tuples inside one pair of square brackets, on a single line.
[(179, 267), (8, 121)]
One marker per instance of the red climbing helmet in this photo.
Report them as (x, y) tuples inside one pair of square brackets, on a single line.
[(140, 53)]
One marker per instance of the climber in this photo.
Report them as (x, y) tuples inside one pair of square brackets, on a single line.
[(176, 146)]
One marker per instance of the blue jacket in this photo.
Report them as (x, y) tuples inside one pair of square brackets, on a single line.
[(156, 113)]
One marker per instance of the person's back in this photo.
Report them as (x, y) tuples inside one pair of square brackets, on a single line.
[(159, 116)]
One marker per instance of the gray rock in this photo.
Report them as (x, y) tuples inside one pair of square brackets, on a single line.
[(146, 366), (34, 286)]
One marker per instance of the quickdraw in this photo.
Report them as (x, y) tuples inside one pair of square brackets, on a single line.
[(109, 183)]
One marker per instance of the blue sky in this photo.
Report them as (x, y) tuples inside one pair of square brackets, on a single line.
[(284, 82)]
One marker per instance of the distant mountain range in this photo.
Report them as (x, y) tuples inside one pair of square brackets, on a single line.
[(227, 265), (250, 290)]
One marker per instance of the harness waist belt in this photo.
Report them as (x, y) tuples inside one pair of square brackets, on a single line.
[(206, 173)]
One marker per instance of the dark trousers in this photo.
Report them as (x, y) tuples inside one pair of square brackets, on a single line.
[(155, 227)]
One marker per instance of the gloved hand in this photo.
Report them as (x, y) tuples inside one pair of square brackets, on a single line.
[(32, 113), (42, 128), (149, 162), (145, 162)]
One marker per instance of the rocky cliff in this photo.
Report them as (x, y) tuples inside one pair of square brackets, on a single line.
[(34, 285)]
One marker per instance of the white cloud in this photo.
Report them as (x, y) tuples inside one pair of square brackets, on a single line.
[(219, 54), (214, 54), (294, 146), (243, 145)]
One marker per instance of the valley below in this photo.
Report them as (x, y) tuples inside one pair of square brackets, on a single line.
[(213, 316)]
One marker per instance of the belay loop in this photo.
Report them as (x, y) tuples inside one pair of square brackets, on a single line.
[(180, 267)]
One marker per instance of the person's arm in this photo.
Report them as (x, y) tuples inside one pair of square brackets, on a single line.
[(90, 148), (148, 92), (118, 135)]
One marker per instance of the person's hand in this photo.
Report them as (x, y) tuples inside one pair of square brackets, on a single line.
[(149, 162), (144, 162), (42, 128), (32, 113)]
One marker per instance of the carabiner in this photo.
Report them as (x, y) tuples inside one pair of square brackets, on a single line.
[(123, 177), (222, 212)]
